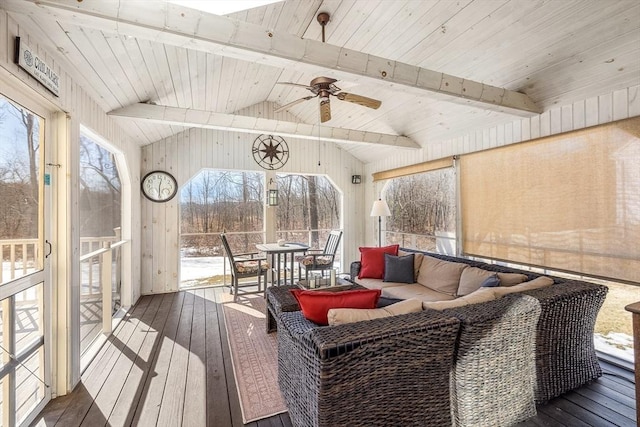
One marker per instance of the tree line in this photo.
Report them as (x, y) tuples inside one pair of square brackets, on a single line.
[(233, 201), (422, 203)]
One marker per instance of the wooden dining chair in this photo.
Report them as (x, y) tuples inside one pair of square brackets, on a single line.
[(320, 260), (245, 265)]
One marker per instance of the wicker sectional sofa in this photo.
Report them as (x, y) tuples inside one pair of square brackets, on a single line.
[(480, 364)]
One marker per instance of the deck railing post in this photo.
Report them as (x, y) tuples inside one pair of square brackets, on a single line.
[(105, 282), (635, 310)]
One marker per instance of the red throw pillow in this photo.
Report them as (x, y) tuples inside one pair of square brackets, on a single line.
[(316, 304), (372, 261)]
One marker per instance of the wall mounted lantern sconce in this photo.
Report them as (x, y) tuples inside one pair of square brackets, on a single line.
[(273, 198), (356, 179)]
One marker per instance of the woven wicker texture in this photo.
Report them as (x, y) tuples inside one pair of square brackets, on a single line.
[(494, 370), (565, 353), (392, 371)]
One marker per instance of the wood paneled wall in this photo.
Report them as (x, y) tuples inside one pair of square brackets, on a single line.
[(79, 109), (613, 106), (189, 152)]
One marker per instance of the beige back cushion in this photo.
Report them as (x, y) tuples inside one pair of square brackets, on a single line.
[(481, 295), (340, 316), (417, 261), (510, 279), (439, 275), (539, 282), (471, 279)]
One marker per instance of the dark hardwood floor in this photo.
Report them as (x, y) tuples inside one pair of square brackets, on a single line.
[(168, 364)]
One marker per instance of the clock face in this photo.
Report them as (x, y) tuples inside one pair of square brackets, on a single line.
[(270, 152), (159, 186)]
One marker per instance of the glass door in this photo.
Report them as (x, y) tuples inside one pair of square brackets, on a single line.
[(24, 277)]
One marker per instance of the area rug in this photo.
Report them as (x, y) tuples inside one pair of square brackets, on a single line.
[(254, 355)]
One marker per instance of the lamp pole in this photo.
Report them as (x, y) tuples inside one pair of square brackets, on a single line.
[(380, 209)]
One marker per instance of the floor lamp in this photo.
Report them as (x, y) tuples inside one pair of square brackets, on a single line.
[(380, 209)]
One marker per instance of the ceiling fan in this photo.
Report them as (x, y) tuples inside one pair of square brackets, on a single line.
[(324, 87)]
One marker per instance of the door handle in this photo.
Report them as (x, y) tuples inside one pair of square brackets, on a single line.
[(50, 248)]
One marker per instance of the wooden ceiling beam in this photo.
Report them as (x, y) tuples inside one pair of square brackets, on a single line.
[(257, 125), (188, 28)]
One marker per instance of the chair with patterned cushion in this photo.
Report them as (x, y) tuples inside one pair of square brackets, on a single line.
[(320, 260), (245, 265)]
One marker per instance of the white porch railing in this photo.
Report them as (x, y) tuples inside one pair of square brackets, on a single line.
[(18, 258), (240, 242)]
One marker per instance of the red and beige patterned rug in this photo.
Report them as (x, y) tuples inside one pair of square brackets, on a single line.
[(254, 354)]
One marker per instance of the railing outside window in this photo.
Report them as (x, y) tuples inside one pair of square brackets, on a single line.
[(203, 261), (441, 242)]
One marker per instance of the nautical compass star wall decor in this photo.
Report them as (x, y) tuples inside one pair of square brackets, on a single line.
[(270, 152)]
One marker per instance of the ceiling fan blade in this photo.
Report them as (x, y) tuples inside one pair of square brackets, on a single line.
[(325, 110), (294, 84), (291, 104), (360, 100)]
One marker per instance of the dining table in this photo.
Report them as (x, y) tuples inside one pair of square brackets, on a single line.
[(280, 254)]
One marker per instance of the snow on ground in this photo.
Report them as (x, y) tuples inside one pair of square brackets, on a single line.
[(616, 344), (201, 267)]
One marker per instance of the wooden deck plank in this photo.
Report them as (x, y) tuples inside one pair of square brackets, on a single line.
[(131, 393), (561, 415), (608, 402), (173, 398), (54, 411), (184, 351), (94, 377), (147, 411), (218, 407), (544, 420), (234, 401), (625, 388), (598, 409), (106, 399), (618, 397), (195, 401)]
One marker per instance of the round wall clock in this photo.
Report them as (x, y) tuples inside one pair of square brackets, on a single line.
[(159, 186), (270, 152)]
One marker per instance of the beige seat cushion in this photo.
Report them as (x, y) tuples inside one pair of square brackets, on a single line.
[(481, 295), (377, 283), (439, 275), (510, 279), (539, 282), (417, 261), (415, 290), (340, 316), (471, 279)]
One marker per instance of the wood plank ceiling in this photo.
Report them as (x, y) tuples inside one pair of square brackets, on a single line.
[(556, 52)]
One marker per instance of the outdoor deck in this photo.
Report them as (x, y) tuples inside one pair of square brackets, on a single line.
[(141, 378)]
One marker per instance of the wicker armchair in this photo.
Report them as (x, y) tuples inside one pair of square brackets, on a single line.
[(245, 265), (320, 260), (392, 371), (492, 383)]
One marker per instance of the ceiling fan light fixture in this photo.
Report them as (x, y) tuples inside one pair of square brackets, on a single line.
[(324, 87)]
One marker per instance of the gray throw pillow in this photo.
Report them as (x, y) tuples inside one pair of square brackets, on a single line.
[(398, 268), (491, 282)]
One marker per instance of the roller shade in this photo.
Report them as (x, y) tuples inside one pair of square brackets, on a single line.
[(432, 165), (569, 202)]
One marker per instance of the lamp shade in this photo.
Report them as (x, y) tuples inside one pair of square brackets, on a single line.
[(380, 208)]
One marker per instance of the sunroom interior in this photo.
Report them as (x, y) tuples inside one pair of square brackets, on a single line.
[(528, 112)]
